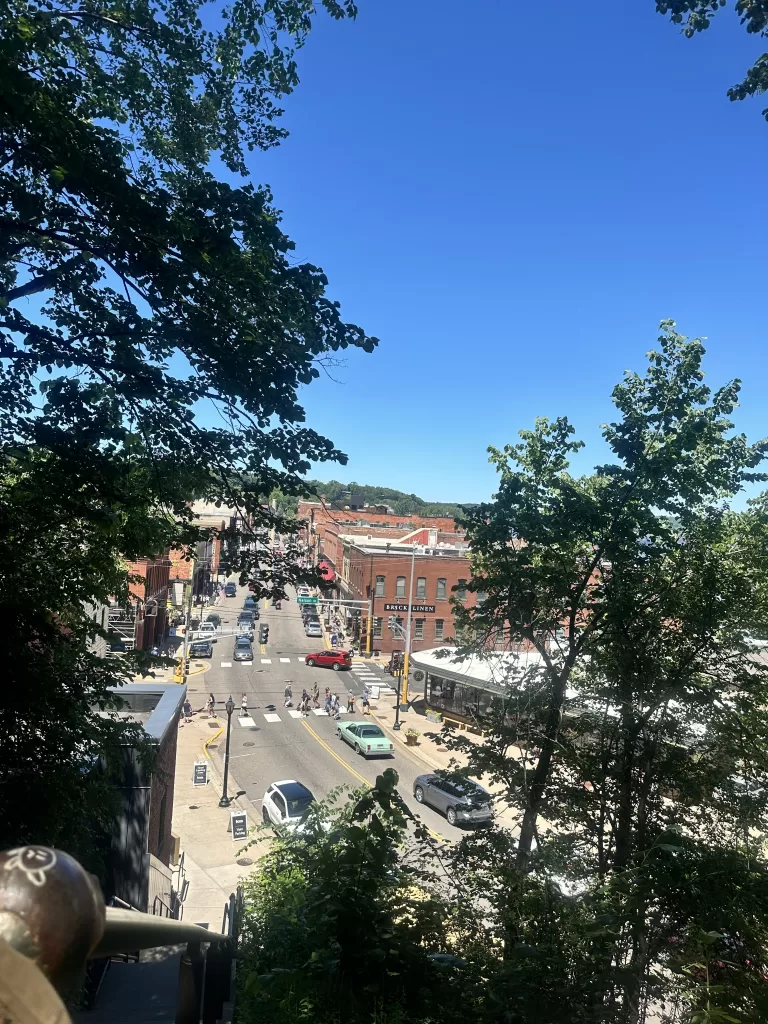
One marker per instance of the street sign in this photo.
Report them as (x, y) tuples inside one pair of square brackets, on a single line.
[(200, 774), (303, 599), (239, 825), (373, 692)]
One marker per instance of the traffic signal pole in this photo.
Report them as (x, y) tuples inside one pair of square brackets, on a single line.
[(407, 658)]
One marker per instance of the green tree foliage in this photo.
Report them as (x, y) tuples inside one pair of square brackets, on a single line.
[(339, 494), (696, 15), (338, 928), (634, 739), (154, 331)]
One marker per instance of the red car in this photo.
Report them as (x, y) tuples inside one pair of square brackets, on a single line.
[(336, 660)]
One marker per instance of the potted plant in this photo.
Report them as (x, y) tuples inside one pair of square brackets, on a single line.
[(411, 735)]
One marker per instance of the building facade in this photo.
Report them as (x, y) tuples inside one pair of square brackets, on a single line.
[(379, 570)]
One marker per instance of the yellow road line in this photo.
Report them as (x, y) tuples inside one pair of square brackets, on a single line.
[(333, 753), (210, 740), (263, 648)]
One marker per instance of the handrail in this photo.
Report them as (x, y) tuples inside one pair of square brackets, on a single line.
[(127, 930)]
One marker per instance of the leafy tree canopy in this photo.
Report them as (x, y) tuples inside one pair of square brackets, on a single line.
[(696, 15), (154, 332)]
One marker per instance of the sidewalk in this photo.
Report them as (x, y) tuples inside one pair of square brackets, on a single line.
[(210, 854)]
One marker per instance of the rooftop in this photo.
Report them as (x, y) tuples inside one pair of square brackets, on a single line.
[(492, 671)]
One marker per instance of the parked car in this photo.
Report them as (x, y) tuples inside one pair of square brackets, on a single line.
[(201, 649), (336, 660), (367, 739), (286, 803), (313, 629), (243, 649), (230, 590), (460, 800)]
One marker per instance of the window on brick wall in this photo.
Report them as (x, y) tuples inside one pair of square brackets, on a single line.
[(380, 583), (421, 586), (378, 626), (400, 589), (439, 629), (461, 590), (418, 630), (441, 587)]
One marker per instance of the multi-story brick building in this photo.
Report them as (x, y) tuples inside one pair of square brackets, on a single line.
[(325, 525), (378, 569)]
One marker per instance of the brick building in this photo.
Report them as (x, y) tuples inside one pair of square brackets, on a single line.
[(379, 569), (325, 525), (142, 844)]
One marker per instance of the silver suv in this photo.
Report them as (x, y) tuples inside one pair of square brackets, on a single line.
[(243, 649), (460, 800)]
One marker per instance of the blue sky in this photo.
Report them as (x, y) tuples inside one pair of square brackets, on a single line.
[(511, 197)]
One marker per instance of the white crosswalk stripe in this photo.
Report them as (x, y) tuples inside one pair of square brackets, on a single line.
[(294, 714), (284, 661), (266, 661), (246, 722), (319, 711), (246, 663), (226, 664), (272, 718)]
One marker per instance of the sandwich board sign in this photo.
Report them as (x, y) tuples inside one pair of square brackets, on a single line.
[(200, 773), (239, 825), (373, 692)]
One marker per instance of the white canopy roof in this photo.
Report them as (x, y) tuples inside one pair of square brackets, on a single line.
[(492, 671)]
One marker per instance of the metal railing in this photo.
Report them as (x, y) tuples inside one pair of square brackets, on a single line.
[(46, 884)]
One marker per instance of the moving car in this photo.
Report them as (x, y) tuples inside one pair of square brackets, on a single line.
[(286, 803), (460, 800), (313, 629), (215, 618), (201, 649), (251, 605), (366, 738), (207, 627), (230, 590), (336, 660), (303, 591), (243, 650)]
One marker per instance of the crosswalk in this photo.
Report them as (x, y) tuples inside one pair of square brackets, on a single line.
[(362, 672), (248, 722)]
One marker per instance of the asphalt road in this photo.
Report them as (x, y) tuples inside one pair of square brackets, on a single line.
[(284, 746)]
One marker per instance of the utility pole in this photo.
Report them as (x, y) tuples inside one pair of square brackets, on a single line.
[(407, 657), (187, 622)]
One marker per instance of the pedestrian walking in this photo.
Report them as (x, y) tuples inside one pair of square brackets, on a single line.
[(211, 706), (288, 692), (351, 703), (244, 706), (187, 711), (315, 691), (366, 702)]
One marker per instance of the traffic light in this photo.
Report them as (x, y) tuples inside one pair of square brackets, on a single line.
[(392, 621), (263, 633)]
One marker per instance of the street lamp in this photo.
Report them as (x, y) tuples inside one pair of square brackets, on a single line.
[(396, 726), (225, 801)]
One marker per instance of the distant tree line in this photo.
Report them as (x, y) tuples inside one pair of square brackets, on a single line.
[(337, 493)]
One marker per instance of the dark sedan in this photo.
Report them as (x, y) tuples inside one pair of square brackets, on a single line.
[(201, 649), (462, 801)]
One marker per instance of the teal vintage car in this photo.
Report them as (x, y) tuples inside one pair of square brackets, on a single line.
[(366, 738)]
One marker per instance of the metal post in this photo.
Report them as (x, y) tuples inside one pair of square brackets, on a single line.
[(187, 621), (396, 726), (371, 594), (407, 659), (225, 801), (190, 990)]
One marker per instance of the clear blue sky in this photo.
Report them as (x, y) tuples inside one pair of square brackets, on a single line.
[(511, 196)]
